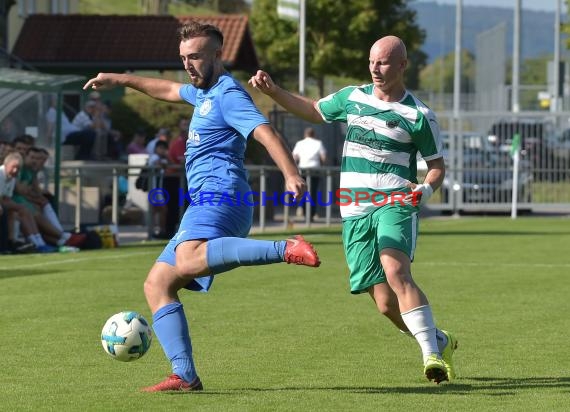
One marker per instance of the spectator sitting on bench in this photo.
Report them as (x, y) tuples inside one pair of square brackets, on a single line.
[(22, 143), (83, 139), (29, 194), (17, 212)]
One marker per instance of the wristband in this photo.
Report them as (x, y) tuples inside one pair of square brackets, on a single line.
[(424, 192)]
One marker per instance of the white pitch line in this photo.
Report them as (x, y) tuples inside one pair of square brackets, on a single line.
[(470, 264), (75, 260), (521, 265)]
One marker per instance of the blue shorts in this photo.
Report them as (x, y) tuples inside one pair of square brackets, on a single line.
[(208, 222)]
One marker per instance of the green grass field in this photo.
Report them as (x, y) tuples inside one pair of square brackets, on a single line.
[(287, 338)]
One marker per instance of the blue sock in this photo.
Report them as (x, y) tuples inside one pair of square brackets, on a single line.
[(171, 329), (226, 253)]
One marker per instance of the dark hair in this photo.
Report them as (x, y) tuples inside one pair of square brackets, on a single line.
[(161, 143), (44, 151), (309, 132), (34, 149), (24, 138), (192, 29)]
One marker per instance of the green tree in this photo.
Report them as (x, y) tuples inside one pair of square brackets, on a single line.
[(439, 75), (219, 6), (338, 37)]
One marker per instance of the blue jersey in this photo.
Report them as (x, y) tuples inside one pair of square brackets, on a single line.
[(224, 116)]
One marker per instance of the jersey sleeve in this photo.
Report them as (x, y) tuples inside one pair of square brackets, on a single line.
[(428, 140), (240, 112), (188, 93), (333, 106)]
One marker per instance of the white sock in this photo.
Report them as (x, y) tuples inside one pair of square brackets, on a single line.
[(440, 336), (420, 323), (64, 238), (50, 215), (16, 233), (37, 240)]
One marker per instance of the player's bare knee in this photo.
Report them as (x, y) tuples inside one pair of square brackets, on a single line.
[(383, 307), (191, 260), (150, 286)]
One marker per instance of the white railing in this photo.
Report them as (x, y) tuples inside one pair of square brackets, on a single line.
[(75, 176)]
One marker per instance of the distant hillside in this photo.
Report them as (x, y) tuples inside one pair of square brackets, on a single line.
[(537, 28)]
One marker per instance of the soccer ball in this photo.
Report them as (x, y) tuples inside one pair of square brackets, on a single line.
[(126, 336)]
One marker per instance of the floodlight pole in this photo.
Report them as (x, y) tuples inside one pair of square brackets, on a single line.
[(57, 147), (456, 126), (457, 60), (515, 102), (516, 57), (302, 36), (556, 78)]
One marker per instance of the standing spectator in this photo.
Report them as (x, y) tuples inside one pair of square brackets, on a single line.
[(159, 159), (173, 178), (83, 139), (9, 129), (177, 146), (137, 144), (310, 153), (115, 144), (163, 134)]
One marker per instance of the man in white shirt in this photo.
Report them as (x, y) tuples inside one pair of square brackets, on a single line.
[(71, 134), (15, 211), (310, 153)]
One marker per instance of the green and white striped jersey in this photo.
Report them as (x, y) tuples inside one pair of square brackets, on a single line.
[(381, 144)]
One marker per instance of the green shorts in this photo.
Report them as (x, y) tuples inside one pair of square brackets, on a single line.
[(364, 238), (29, 205)]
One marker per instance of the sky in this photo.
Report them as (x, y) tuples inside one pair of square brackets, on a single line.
[(540, 5)]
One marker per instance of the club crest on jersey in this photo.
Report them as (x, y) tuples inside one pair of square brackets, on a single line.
[(393, 123), (206, 107)]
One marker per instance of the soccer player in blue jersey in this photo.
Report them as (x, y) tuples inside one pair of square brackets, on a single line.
[(212, 234), (387, 126)]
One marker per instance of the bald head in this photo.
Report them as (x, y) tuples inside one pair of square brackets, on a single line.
[(391, 46), (387, 62)]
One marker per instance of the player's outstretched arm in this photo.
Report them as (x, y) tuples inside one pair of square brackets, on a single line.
[(160, 89), (281, 155), (300, 106)]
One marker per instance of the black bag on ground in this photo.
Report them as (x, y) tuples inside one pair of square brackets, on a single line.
[(92, 241)]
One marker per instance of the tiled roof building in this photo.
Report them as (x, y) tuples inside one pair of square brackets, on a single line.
[(79, 42)]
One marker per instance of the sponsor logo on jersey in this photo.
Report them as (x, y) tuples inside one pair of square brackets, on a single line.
[(193, 138), (393, 123), (206, 107)]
